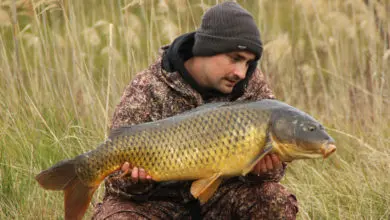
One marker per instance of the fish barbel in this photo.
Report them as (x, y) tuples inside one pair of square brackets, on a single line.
[(204, 144)]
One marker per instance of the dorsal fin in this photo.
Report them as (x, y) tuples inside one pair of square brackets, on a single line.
[(205, 107), (119, 131), (128, 129), (213, 105)]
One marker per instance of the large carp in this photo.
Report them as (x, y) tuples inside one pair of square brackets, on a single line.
[(205, 144)]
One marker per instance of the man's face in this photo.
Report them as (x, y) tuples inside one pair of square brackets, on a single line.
[(223, 71)]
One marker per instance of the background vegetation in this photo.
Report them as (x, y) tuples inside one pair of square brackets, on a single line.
[(65, 63)]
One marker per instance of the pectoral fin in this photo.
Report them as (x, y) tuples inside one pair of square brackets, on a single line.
[(252, 164), (203, 189)]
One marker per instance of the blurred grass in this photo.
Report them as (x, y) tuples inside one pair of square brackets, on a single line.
[(64, 65)]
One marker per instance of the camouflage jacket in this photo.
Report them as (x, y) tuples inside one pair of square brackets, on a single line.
[(154, 94)]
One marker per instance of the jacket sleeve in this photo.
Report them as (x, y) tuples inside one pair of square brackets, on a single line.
[(135, 107), (258, 89)]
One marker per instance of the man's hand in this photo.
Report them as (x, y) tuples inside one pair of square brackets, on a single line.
[(137, 174), (269, 163)]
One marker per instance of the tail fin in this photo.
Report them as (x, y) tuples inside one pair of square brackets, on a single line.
[(58, 176), (62, 176), (77, 198)]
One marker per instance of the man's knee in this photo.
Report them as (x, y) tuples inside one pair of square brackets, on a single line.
[(125, 215), (267, 201), (115, 208)]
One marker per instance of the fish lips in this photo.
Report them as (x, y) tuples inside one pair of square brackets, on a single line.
[(328, 149)]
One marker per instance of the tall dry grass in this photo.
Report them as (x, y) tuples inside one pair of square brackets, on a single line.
[(64, 65)]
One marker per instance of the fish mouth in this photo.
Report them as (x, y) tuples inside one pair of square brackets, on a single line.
[(328, 149)]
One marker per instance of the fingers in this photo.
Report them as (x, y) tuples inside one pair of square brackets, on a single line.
[(276, 161), (126, 167), (137, 174), (134, 175), (263, 166), (260, 167), (269, 163), (142, 175)]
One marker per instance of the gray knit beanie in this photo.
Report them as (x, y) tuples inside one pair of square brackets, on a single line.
[(227, 27)]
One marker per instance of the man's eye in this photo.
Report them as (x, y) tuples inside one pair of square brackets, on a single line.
[(236, 59)]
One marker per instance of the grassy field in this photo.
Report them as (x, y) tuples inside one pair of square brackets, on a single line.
[(64, 65)]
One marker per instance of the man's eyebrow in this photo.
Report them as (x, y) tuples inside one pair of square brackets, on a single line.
[(243, 57)]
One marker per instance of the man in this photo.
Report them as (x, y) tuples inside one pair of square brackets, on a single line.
[(215, 63)]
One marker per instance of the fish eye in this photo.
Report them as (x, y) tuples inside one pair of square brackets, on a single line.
[(309, 128)]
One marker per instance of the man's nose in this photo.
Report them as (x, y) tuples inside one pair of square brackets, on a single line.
[(240, 71)]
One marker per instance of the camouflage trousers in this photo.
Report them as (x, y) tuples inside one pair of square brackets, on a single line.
[(233, 200)]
